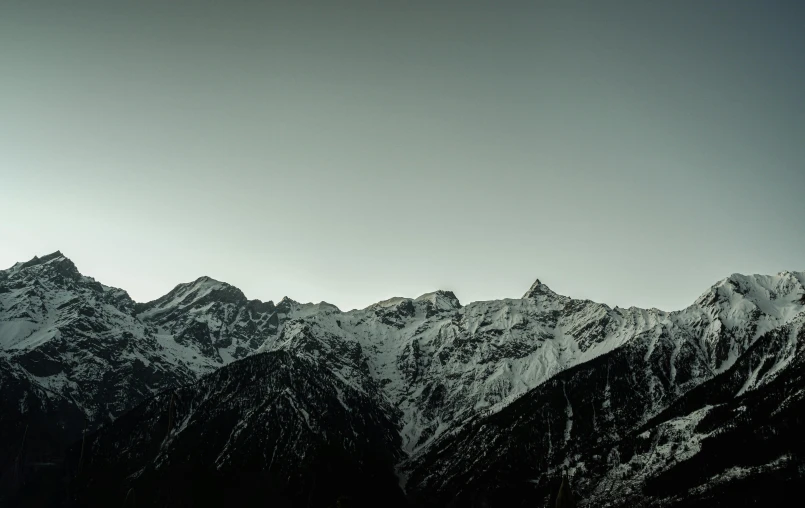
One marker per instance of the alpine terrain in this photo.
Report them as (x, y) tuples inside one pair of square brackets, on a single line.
[(204, 397)]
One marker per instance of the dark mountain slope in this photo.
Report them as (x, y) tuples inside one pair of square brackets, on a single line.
[(273, 428), (735, 440)]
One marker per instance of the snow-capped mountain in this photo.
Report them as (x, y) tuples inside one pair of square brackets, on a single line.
[(486, 400), (75, 342), (441, 363), (79, 341), (628, 422), (208, 323)]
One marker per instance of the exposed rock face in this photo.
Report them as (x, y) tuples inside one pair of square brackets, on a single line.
[(487, 401)]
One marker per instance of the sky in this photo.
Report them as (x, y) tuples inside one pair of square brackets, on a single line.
[(628, 152)]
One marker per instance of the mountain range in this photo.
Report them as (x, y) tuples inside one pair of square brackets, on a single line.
[(204, 397)]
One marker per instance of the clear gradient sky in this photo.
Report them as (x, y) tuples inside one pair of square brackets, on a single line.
[(630, 152)]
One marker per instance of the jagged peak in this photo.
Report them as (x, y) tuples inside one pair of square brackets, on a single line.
[(286, 304), (57, 262), (261, 306), (327, 306), (441, 299), (204, 288), (207, 285), (539, 290), (756, 288), (207, 281), (202, 283), (290, 306), (54, 257), (389, 302), (287, 300), (763, 279)]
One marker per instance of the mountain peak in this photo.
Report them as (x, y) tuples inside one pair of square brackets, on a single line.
[(441, 299), (207, 281), (198, 292), (201, 286), (52, 257), (286, 304), (537, 290), (54, 263)]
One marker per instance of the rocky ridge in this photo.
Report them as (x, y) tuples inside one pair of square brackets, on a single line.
[(484, 400)]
